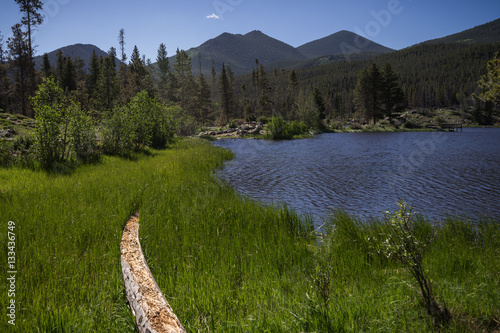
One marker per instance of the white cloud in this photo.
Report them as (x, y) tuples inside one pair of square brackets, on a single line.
[(213, 16)]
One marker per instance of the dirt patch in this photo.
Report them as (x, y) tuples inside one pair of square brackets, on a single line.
[(151, 309)]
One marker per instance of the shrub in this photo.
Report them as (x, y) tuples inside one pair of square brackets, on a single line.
[(82, 134), (24, 150), (407, 242), (62, 129), (277, 128), (297, 128), (356, 126), (411, 124), (263, 120), (251, 117), (232, 124), (144, 122), (5, 154), (118, 133)]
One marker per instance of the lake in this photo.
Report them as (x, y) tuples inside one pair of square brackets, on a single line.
[(438, 173)]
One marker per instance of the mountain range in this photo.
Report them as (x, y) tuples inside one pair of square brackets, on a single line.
[(241, 51)]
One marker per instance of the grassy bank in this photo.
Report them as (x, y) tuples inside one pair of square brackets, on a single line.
[(225, 263)]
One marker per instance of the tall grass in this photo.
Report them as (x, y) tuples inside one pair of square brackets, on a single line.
[(373, 292), (225, 263)]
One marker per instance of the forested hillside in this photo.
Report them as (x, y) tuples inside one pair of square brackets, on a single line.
[(432, 75), (485, 33)]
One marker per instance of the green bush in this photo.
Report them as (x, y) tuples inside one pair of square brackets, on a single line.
[(251, 117), (5, 154), (62, 129), (232, 124), (411, 124), (82, 134), (51, 123), (297, 128), (277, 128), (24, 150), (144, 122), (263, 120), (118, 133)]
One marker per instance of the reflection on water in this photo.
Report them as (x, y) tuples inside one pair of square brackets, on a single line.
[(365, 173)]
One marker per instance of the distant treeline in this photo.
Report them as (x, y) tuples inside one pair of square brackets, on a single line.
[(431, 76)]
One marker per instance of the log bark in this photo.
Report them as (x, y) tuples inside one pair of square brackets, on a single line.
[(149, 306)]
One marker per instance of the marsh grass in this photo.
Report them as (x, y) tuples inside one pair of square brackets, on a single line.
[(225, 263)]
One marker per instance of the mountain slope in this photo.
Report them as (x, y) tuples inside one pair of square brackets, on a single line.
[(240, 52), (341, 42), (83, 51), (485, 33)]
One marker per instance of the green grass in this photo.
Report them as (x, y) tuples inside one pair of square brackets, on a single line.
[(225, 263)]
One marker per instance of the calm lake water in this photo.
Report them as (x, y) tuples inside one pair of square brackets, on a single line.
[(438, 173)]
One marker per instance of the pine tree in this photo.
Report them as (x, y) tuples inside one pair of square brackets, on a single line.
[(68, 80), (392, 96), (60, 61), (107, 86), (3, 53), (32, 17), (293, 94), (367, 92), (226, 96), (139, 74), (20, 66), (123, 71), (320, 103), (163, 72), (214, 80), (232, 83), (113, 56), (265, 90), (121, 40), (203, 101), (184, 76), (5, 87), (46, 66), (93, 75)]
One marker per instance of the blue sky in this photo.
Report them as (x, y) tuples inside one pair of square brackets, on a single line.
[(188, 23)]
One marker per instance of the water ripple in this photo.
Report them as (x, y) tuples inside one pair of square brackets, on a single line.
[(366, 173)]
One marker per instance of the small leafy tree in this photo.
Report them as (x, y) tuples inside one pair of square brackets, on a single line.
[(82, 134), (117, 133), (51, 123), (407, 242), (62, 129), (310, 109), (490, 83), (143, 122)]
